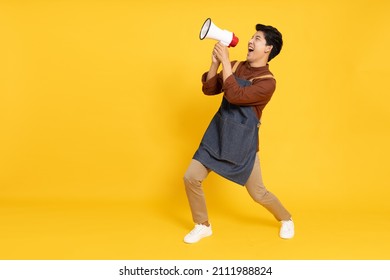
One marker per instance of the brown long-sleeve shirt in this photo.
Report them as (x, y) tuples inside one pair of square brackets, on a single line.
[(256, 95)]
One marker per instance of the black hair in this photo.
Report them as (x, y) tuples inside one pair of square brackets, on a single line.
[(272, 37)]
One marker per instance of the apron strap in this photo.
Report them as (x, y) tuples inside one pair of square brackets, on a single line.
[(237, 63), (234, 68), (263, 77)]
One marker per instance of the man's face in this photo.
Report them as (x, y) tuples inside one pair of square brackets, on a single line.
[(257, 48)]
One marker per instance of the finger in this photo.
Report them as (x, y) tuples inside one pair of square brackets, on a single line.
[(218, 46)]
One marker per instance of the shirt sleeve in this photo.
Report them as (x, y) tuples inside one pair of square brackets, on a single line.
[(259, 93), (213, 86)]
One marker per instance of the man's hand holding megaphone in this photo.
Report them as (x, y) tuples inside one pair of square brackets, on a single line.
[(221, 56), (220, 52)]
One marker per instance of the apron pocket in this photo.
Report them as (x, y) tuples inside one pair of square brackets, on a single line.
[(229, 140)]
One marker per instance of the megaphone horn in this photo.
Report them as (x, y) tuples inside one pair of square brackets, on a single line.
[(211, 31)]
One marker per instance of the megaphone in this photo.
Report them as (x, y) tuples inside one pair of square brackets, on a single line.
[(210, 30)]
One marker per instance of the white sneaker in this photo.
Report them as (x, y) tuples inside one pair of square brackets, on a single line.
[(287, 229), (199, 232)]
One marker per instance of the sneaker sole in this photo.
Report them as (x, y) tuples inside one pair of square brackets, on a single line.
[(197, 240), (286, 237)]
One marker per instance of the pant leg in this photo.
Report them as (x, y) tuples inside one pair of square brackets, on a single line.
[(261, 195), (193, 179)]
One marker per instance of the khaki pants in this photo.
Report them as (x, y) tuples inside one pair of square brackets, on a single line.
[(195, 175)]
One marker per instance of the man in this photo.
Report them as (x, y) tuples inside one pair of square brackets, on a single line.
[(230, 144)]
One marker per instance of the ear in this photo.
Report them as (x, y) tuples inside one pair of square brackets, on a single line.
[(268, 48)]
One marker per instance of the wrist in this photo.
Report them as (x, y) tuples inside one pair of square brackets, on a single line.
[(227, 67), (226, 63), (215, 64), (214, 67)]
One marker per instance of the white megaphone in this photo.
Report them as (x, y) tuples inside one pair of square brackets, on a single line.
[(210, 30)]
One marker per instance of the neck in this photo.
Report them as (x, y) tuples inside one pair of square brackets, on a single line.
[(258, 63)]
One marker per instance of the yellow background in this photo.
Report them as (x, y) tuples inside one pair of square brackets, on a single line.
[(101, 111)]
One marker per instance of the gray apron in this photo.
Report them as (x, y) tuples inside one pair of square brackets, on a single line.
[(229, 145)]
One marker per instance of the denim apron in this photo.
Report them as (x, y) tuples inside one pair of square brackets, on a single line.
[(229, 145)]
